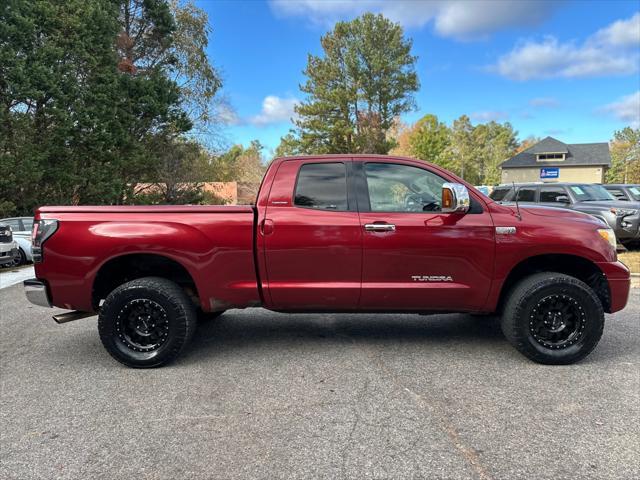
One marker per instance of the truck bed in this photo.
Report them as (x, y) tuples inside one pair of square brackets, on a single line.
[(214, 244)]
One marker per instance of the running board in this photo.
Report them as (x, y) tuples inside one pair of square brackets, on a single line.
[(71, 316)]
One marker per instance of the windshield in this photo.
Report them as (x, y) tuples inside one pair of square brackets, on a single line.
[(635, 192), (590, 193)]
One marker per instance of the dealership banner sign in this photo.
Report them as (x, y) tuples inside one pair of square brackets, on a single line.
[(549, 172)]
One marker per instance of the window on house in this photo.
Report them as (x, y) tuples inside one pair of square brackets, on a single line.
[(551, 156)]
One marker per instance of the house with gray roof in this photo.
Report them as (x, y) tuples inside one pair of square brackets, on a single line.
[(550, 160)]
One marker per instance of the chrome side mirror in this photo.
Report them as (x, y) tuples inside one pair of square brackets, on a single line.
[(455, 198)]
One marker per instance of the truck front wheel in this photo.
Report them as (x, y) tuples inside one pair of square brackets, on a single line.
[(146, 322), (553, 318)]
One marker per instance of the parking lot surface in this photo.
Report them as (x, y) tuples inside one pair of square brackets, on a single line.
[(266, 395)]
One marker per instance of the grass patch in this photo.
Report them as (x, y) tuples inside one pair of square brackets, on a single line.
[(631, 260)]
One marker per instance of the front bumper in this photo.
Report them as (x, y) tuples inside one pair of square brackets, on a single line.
[(628, 228), (36, 292), (8, 256), (619, 280)]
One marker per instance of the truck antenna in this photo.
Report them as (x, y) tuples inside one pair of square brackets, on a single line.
[(515, 191)]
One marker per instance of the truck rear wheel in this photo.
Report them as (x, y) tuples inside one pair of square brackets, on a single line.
[(146, 322), (553, 318)]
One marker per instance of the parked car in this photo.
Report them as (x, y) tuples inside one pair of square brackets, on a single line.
[(624, 192), (8, 248), (21, 227), (594, 199), (345, 233)]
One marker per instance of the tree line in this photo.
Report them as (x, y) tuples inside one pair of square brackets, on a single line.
[(97, 96)]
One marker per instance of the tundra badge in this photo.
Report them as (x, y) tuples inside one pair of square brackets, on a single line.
[(431, 278)]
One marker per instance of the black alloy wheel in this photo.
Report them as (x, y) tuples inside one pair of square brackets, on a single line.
[(557, 321), (143, 325)]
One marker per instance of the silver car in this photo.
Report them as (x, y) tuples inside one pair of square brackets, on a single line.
[(622, 216), (21, 228), (8, 248)]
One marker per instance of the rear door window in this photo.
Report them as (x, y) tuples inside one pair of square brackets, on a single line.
[(322, 186), (13, 223), (618, 193), (553, 195), (526, 194), (635, 193), (498, 194), (27, 224)]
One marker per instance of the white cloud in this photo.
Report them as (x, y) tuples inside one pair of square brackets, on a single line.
[(275, 110), (610, 51), (544, 102), (469, 19), (626, 109), (489, 116), (622, 32), (462, 19)]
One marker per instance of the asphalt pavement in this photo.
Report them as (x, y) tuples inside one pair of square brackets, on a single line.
[(261, 395)]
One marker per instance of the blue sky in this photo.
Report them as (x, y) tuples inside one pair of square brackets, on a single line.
[(569, 69)]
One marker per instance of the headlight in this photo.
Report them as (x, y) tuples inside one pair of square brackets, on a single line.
[(623, 212), (608, 235)]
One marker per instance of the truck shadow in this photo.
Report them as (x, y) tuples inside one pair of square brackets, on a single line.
[(252, 329)]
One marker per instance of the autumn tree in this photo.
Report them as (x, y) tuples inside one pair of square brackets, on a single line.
[(239, 164), (625, 156), (528, 142), (473, 152), (363, 81)]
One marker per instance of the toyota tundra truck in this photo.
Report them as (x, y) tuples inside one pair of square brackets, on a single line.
[(342, 233)]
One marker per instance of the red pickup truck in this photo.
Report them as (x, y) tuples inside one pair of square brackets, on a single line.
[(344, 233)]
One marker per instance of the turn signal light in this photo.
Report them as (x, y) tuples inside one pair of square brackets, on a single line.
[(447, 198)]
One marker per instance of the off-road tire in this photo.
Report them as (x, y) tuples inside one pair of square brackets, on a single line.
[(532, 297), (169, 301)]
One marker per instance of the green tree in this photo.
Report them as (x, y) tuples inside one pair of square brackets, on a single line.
[(625, 156), (87, 88), (493, 144), (364, 80), (179, 174), (461, 151), (288, 146), (429, 139)]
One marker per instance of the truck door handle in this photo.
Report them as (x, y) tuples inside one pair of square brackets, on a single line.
[(379, 227), (267, 226)]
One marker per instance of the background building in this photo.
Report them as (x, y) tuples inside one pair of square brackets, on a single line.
[(550, 160)]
